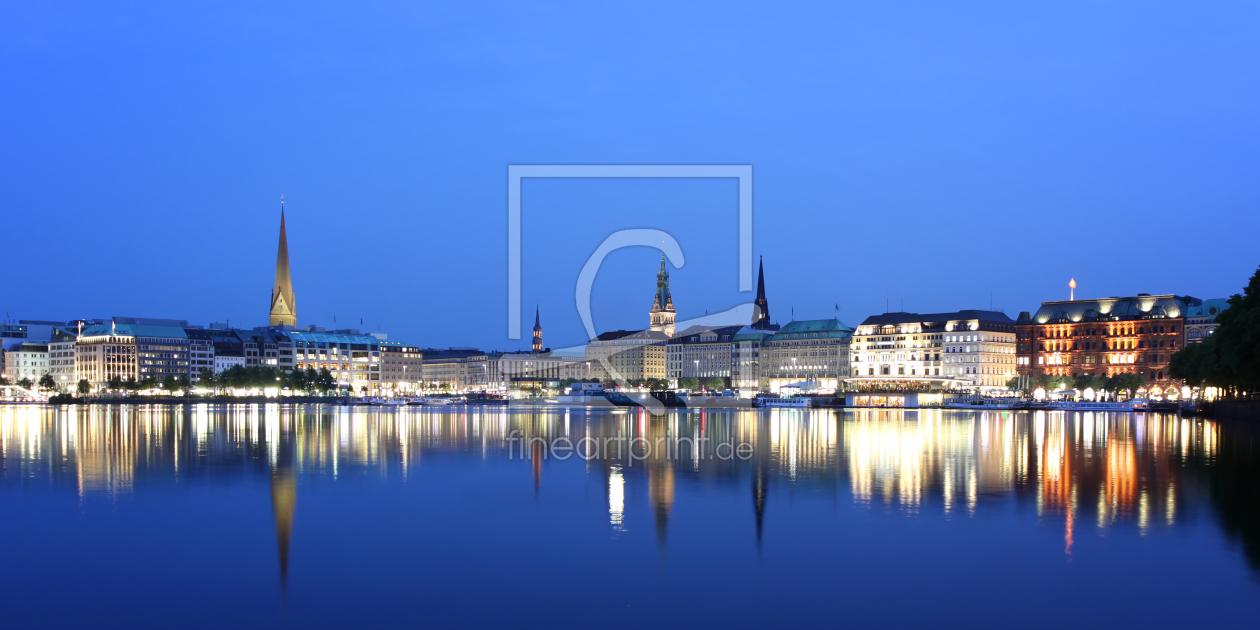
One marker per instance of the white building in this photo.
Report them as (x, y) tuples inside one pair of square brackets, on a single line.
[(26, 359), (972, 346)]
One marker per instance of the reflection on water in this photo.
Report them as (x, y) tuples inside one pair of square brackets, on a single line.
[(1089, 469)]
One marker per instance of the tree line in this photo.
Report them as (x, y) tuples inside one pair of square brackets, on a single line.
[(1230, 357)]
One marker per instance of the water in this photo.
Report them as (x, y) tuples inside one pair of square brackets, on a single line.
[(279, 516)]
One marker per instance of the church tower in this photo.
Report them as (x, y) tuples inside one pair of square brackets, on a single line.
[(761, 308), (538, 345), (662, 313), (283, 306)]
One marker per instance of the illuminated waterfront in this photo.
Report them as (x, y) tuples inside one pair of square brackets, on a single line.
[(348, 515)]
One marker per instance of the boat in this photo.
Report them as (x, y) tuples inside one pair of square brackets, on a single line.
[(765, 402), (393, 402), (1136, 404), (984, 404)]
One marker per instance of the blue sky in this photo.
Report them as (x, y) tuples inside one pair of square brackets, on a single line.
[(953, 153)]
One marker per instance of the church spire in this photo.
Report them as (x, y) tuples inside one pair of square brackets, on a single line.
[(761, 308), (283, 305), (538, 342)]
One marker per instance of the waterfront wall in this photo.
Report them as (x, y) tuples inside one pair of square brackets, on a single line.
[(1236, 410)]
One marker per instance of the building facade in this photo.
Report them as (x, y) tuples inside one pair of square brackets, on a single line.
[(746, 349), (702, 352), (970, 348), (1106, 337), (1201, 319), (402, 365), (811, 355), (632, 355), (353, 359), (27, 359)]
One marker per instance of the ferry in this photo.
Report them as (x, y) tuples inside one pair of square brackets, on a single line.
[(1136, 404), (984, 404), (775, 401)]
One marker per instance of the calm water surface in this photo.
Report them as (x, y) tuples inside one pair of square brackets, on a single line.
[(279, 516)]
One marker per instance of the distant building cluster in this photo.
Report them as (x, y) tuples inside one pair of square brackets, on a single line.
[(970, 349)]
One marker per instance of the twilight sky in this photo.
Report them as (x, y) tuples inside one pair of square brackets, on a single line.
[(954, 155)]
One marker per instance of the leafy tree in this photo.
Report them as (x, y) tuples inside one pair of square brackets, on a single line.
[(689, 383), (84, 387), (1127, 382), (169, 383), (1230, 358), (4, 381), (47, 382), (114, 383), (327, 383), (657, 384), (149, 382), (715, 384), (1012, 383), (1087, 381), (25, 383), (131, 384)]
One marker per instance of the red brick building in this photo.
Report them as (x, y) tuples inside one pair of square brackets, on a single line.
[(1104, 337)]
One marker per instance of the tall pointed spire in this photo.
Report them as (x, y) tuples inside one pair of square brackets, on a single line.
[(283, 305), (761, 308), (538, 341)]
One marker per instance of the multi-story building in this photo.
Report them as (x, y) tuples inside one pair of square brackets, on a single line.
[(746, 358), (61, 359), (518, 371), (201, 357), (402, 365), (461, 369), (1105, 337), (354, 359), (1201, 319), (970, 348), (811, 355), (104, 352), (26, 359), (632, 355), (161, 351), (702, 352)]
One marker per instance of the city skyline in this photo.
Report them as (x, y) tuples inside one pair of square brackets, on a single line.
[(978, 135)]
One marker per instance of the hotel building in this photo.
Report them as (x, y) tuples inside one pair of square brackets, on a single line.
[(972, 348), (812, 355), (1105, 337)]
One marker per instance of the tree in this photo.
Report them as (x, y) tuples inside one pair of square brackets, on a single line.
[(84, 387), (657, 384), (1230, 357), (25, 383), (327, 383), (114, 383), (1087, 381), (47, 382), (1127, 382), (148, 382), (689, 383), (169, 384), (715, 384), (1012, 383), (4, 381), (131, 384)]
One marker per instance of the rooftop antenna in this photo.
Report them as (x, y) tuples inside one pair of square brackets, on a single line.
[(1072, 290)]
